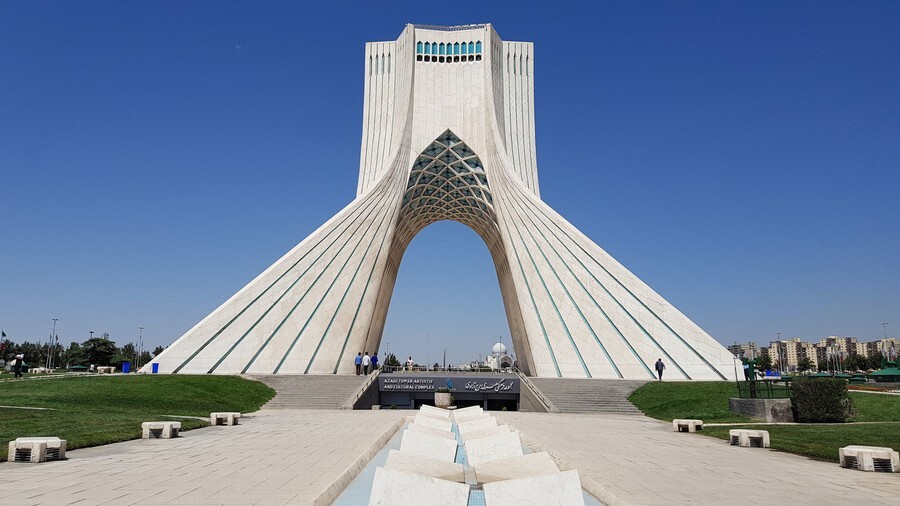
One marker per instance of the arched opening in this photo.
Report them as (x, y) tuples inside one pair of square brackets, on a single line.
[(446, 297), (448, 182)]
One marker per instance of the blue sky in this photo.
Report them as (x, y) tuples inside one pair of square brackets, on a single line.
[(742, 158)]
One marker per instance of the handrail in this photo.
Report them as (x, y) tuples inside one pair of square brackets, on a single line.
[(454, 28), (545, 402), (362, 389)]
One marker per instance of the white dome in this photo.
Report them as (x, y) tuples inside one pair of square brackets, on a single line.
[(498, 348)]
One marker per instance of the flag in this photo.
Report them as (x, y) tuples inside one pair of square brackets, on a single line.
[(3, 334)]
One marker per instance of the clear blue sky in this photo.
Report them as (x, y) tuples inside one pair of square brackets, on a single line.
[(742, 158)]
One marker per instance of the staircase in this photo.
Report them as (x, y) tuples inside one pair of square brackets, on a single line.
[(310, 391), (589, 395)]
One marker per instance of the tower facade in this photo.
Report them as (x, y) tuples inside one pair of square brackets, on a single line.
[(448, 134)]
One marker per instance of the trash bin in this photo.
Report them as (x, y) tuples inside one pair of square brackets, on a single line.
[(155, 368), (126, 367)]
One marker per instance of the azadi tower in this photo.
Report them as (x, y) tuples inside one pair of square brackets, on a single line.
[(448, 134)]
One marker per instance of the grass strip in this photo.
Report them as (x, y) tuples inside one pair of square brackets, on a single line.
[(821, 441), (96, 410)]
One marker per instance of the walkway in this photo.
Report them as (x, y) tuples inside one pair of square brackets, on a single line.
[(273, 457), (638, 460), (299, 456)]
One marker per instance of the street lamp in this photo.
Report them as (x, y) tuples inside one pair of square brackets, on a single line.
[(140, 350), (884, 329), (50, 344)]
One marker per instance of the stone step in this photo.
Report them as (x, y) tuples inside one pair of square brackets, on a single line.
[(589, 395), (310, 391)]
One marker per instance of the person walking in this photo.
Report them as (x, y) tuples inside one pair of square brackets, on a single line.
[(358, 363), (660, 367), (18, 364), (366, 360), (374, 361), (409, 364)]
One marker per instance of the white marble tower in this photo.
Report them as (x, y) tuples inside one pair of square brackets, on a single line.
[(448, 134)]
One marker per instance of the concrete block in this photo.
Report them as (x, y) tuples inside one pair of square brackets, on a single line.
[(870, 458), (488, 432), (491, 448), (164, 430), (27, 451), (430, 431), (428, 446), (462, 414), (469, 427), (226, 418), (393, 487), (106, 370), (749, 438), (413, 463), (560, 488), (56, 447), (511, 468), (434, 423), (438, 412), (686, 425)]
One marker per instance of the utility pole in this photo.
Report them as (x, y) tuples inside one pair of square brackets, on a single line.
[(140, 350), (50, 342), (884, 329)]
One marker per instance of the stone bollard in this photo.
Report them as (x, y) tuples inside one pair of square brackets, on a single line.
[(160, 430), (686, 425), (226, 418)]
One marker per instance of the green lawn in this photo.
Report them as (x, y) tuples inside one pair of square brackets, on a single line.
[(708, 401), (703, 400), (94, 410)]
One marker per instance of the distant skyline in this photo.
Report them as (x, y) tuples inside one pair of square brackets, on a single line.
[(743, 159)]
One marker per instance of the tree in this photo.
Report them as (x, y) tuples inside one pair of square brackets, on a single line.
[(765, 363), (391, 360), (73, 355), (158, 350), (804, 364), (99, 350)]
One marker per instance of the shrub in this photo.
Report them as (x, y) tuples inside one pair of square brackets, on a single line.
[(821, 400), (442, 390)]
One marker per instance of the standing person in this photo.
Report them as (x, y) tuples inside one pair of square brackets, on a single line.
[(358, 362), (17, 365), (365, 363), (409, 363), (374, 361), (660, 367)]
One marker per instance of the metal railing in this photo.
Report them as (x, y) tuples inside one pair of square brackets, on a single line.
[(388, 369), (371, 378), (545, 402), (764, 389)]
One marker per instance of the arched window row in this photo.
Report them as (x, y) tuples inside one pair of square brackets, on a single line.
[(448, 52), (517, 64), (380, 64)]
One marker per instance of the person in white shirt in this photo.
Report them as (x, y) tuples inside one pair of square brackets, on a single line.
[(409, 364), (366, 362)]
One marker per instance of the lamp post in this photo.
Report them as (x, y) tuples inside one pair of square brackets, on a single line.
[(50, 343), (140, 350), (884, 329)]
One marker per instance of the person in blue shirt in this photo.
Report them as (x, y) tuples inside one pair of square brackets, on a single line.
[(374, 361), (358, 362)]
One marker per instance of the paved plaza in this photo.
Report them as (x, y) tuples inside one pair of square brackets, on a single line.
[(308, 456)]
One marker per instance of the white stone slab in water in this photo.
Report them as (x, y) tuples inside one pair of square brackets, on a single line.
[(473, 417), (491, 448), (562, 489), (434, 423), (510, 468), (431, 410), (467, 427), (461, 414), (434, 416), (412, 463), (430, 431), (399, 488), (488, 432), (428, 446)]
